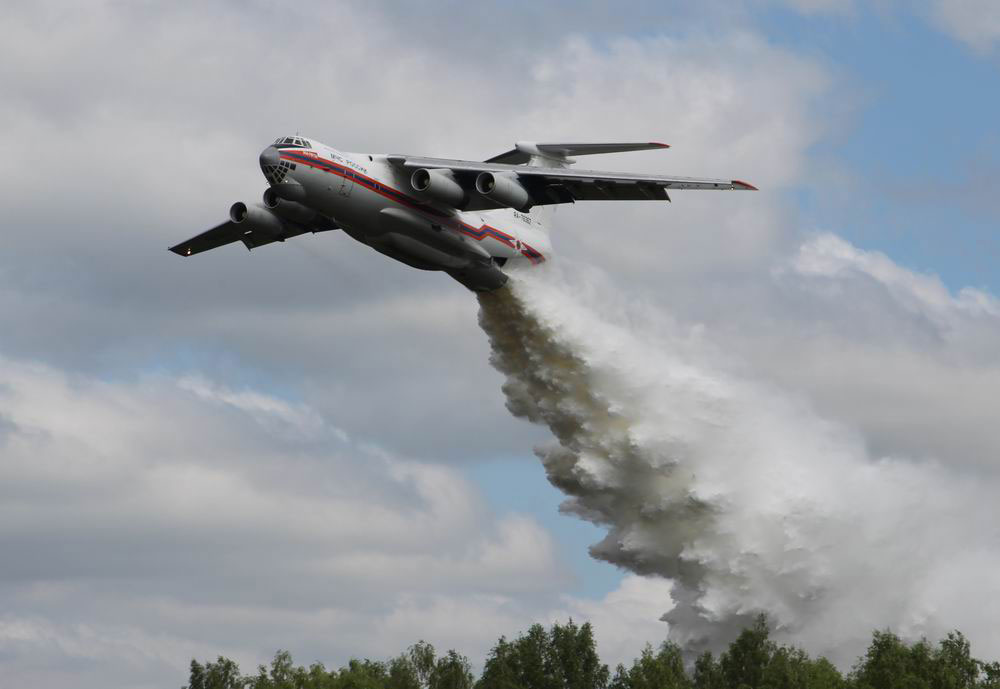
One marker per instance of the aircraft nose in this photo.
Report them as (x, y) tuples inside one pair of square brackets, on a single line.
[(269, 157)]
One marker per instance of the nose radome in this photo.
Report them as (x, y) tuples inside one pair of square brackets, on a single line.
[(269, 156)]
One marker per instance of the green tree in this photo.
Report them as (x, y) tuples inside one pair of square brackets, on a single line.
[(501, 669), (283, 674), (421, 655), (316, 677), (196, 676), (890, 664), (955, 666), (753, 661), (571, 659), (661, 670), (707, 673), (564, 657), (222, 674), (402, 674), (991, 675), (451, 672), (792, 668), (361, 674), (530, 651), (744, 663), (823, 675), (621, 679)]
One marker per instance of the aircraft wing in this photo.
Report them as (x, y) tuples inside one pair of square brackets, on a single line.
[(229, 232), (550, 185), (220, 235)]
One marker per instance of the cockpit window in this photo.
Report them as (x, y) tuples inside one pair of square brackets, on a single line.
[(292, 141)]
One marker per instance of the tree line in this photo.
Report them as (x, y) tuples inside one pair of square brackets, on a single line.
[(565, 657)]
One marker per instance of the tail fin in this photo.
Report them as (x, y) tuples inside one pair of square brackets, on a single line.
[(558, 155)]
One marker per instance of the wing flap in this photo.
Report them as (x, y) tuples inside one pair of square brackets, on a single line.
[(613, 191)]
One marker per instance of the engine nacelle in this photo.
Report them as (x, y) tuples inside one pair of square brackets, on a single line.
[(271, 198), (256, 219), (503, 188), (439, 185), (289, 210)]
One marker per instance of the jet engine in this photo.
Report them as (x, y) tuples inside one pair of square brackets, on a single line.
[(503, 188), (439, 185), (255, 220), (289, 210)]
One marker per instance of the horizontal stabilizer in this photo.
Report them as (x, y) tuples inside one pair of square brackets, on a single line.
[(523, 151)]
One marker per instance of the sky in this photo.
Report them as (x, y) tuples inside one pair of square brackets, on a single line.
[(306, 447)]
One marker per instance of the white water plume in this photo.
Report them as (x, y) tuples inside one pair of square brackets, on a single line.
[(739, 492)]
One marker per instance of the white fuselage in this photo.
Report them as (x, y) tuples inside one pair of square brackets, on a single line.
[(357, 192)]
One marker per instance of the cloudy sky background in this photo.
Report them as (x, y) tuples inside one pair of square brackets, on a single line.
[(305, 447)]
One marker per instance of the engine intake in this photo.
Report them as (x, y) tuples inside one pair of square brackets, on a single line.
[(289, 210), (439, 185), (503, 188), (256, 219)]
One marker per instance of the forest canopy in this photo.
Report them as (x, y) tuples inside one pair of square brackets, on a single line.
[(565, 657)]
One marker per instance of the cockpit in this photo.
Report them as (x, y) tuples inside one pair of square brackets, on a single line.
[(292, 141)]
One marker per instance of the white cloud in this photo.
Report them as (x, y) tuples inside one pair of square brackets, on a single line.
[(630, 612), (884, 349), (820, 6), (163, 518), (828, 256), (975, 22), (128, 502)]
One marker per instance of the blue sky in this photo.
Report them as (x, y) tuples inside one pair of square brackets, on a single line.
[(919, 140)]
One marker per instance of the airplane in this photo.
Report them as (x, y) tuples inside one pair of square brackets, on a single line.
[(466, 218)]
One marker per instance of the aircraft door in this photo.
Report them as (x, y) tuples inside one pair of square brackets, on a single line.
[(347, 182), (341, 181)]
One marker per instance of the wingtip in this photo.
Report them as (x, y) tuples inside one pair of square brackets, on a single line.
[(743, 185), (657, 144)]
